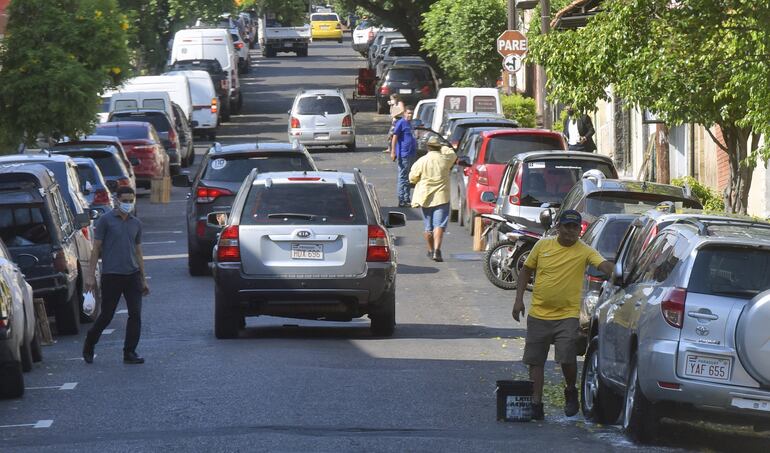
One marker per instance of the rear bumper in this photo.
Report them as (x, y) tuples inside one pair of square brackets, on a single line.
[(360, 47), (327, 34), (287, 45), (344, 136)]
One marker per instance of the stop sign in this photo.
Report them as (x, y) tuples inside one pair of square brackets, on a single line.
[(512, 42)]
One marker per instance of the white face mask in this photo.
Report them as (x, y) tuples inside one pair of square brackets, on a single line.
[(126, 207)]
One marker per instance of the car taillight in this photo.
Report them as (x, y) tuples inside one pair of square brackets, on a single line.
[(239, 45), (208, 194), (172, 137), (228, 248), (223, 84), (84, 230), (514, 197), (371, 35), (60, 261), (384, 90), (294, 123), (214, 107), (378, 249), (425, 90), (592, 279), (673, 307), (338, 26), (583, 227), (483, 175), (101, 196), (143, 148), (124, 182), (347, 121)]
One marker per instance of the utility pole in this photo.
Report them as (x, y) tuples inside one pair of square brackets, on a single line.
[(545, 27)]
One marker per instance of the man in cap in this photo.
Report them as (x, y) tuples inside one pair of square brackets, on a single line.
[(430, 174), (559, 264)]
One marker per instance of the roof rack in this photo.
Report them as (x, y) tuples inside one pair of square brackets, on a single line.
[(703, 224)]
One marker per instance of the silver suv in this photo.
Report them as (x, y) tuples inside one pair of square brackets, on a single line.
[(322, 118), (309, 245), (685, 335)]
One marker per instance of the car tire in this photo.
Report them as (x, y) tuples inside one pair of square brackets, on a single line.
[(37, 350), (226, 109), (384, 320), (212, 136), (461, 213), (270, 53), (493, 261), (640, 420), (226, 321), (352, 147), (597, 401), (302, 53), (25, 352), (68, 315), (11, 380), (382, 107), (191, 157), (470, 221), (239, 103), (197, 265)]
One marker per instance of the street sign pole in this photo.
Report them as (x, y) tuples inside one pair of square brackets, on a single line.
[(512, 45), (512, 25)]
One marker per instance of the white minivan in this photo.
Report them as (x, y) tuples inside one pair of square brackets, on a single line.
[(135, 100), (211, 43), (177, 87), (454, 100), (205, 116)]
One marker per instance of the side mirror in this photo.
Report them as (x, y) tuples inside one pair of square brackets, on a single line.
[(396, 219), (134, 161), (546, 218), (488, 197), (83, 219), (93, 214), (464, 161), (181, 181), (217, 219), (617, 275)]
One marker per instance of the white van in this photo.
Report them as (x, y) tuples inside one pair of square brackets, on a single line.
[(205, 115), (454, 100), (211, 43), (177, 87), (134, 100)]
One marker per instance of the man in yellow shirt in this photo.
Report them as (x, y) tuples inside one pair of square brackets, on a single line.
[(559, 264), (430, 174)]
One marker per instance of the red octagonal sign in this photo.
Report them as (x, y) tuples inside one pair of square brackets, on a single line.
[(512, 42)]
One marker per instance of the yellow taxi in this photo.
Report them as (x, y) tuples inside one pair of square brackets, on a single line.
[(325, 26)]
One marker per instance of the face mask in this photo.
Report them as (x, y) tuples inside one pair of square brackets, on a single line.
[(126, 207)]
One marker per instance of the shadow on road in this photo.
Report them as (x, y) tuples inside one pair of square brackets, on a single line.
[(408, 269)]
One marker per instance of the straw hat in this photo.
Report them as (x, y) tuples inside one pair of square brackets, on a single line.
[(434, 143)]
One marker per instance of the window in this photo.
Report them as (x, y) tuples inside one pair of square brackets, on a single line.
[(508, 177), (324, 18), (159, 120), (320, 105), (426, 113), (485, 104), (237, 168), (61, 213), (549, 180), (455, 103), (105, 160), (599, 203), (502, 148), (23, 225), (733, 271), (86, 174), (610, 237), (401, 51), (658, 262), (123, 132), (304, 203), (408, 75), (126, 104)]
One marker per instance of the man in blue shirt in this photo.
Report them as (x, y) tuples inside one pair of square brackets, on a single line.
[(403, 151)]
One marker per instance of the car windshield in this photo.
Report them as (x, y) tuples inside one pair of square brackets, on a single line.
[(408, 75), (22, 226), (549, 180), (730, 271), (122, 132), (599, 203), (323, 18), (502, 148), (320, 105), (304, 203), (237, 168), (158, 120)]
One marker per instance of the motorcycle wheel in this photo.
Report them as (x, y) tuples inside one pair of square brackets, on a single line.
[(498, 264)]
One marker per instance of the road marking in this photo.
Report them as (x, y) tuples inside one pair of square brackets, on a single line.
[(163, 232), (159, 242), (165, 257), (39, 424), (65, 386), (108, 331), (120, 312)]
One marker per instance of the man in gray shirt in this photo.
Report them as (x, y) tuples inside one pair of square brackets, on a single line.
[(118, 241)]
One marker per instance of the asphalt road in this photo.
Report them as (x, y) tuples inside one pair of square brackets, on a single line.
[(289, 385)]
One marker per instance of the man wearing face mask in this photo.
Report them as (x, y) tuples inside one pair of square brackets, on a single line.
[(117, 241), (579, 131)]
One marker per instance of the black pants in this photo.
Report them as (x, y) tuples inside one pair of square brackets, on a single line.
[(113, 286)]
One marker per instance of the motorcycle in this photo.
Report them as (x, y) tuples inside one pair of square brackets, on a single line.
[(503, 260)]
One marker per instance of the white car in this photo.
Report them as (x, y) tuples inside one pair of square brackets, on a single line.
[(205, 115), (363, 35), (322, 118)]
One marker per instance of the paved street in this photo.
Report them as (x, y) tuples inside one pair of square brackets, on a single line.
[(290, 385)]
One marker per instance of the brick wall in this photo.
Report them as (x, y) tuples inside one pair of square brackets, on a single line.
[(723, 164), (3, 17)]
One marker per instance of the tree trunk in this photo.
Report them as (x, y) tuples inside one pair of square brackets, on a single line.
[(662, 165), (737, 192)]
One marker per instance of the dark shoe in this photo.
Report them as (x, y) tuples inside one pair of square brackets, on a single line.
[(401, 204), (437, 256), (430, 254), (132, 359), (88, 352), (537, 411), (571, 404)]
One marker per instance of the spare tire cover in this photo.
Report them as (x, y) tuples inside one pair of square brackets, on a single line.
[(753, 338)]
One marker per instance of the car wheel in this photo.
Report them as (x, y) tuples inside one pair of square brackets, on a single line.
[(37, 351), (226, 110), (68, 315), (226, 321), (597, 401), (239, 104), (640, 422), (11, 380), (352, 147), (470, 221), (461, 213), (212, 136), (384, 320), (25, 352), (191, 157), (498, 265), (197, 265), (302, 53), (382, 107)]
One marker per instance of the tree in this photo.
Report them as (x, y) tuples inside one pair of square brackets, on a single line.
[(701, 61), (57, 56), (289, 12), (461, 37)]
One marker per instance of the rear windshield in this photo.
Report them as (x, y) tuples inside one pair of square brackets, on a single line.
[(549, 181), (626, 203), (485, 104), (502, 149), (320, 105), (302, 204), (107, 162), (123, 132), (237, 168), (23, 226), (159, 121), (730, 271), (324, 18), (401, 51), (408, 75), (211, 66), (459, 129), (455, 104)]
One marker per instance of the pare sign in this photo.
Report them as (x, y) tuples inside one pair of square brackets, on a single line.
[(512, 42)]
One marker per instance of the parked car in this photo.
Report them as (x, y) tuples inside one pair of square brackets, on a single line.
[(241, 47), (167, 132), (221, 174), (494, 150), (19, 344), (381, 39), (42, 236), (685, 337), (106, 156), (177, 87), (423, 116), (93, 185), (391, 53), (144, 148), (470, 99), (412, 83), (185, 134), (323, 233), (326, 26), (218, 78), (322, 118), (457, 123), (109, 140), (132, 100), (363, 35)]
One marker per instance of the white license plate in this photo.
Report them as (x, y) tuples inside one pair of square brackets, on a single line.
[(324, 27), (405, 91), (321, 136), (757, 405), (705, 366), (307, 251)]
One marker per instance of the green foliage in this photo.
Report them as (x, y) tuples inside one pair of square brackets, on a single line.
[(710, 200), (461, 36), (57, 56), (289, 12), (521, 109)]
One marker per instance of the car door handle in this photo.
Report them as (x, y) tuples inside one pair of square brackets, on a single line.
[(701, 315)]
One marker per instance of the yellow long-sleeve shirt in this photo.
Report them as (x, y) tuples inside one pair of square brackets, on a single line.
[(430, 174)]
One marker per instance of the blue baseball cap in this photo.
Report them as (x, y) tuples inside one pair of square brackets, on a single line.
[(570, 216)]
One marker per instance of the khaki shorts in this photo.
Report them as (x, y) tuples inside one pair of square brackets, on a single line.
[(541, 333)]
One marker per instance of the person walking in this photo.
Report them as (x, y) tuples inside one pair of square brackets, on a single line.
[(559, 264), (403, 150), (118, 241), (579, 131), (430, 174)]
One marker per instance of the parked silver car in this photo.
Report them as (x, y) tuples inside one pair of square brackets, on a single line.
[(309, 245), (685, 335), (322, 118)]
